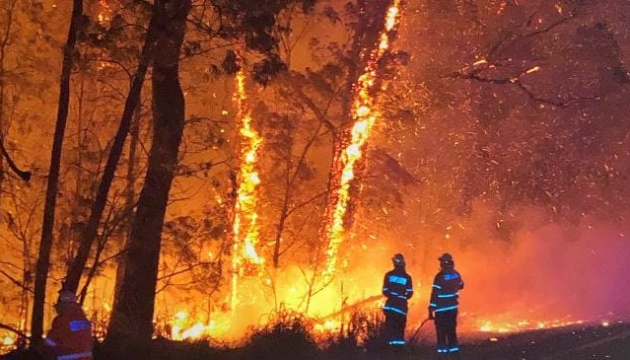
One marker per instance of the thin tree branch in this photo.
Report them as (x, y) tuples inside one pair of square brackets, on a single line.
[(13, 330), (24, 175)]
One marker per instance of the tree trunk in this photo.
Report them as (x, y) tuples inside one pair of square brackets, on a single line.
[(130, 194), (131, 324), (87, 236), (45, 245)]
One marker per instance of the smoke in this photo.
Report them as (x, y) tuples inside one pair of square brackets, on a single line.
[(546, 274)]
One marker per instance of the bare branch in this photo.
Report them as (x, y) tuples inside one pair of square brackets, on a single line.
[(13, 330), (15, 281)]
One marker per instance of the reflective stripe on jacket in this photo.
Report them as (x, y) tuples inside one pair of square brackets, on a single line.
[(77, 356), (445, 292), (398, 288), (70, 337)]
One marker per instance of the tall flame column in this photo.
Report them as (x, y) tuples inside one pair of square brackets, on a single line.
[(245, 230), (364, 115)]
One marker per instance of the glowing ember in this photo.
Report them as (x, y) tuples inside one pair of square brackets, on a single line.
[(364, 115), (532, 70), (8, 341), (245, 227)]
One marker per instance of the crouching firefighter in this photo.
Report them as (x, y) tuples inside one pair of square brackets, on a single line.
[(70, 337), (398, 288), (443, 307)]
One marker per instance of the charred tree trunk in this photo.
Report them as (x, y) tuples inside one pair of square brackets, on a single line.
[(88, 235), (43, 260), (131, 325)]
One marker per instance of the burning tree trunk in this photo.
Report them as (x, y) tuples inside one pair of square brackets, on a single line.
[(43, 260), (350, 140), (131, 325)]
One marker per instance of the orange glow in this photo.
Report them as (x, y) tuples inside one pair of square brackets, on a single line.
[(186, 327), (245, 229), (523, 325), (364, 115), (8, 341), (104, 12), (328, 326)]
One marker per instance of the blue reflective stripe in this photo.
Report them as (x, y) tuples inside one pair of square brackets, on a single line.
[(446, 308), (444, 296), (453, 349), (433, 305), (437, 286), (75, 356), (79, 325), (397, 280), (448, 277), (398, 295), (397, 342), (396, 310)]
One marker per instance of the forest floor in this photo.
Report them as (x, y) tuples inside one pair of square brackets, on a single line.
[(566, 343)]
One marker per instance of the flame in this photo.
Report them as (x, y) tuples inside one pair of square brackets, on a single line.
[(523, 325), (183, 327), (327, 327), (364, 114), (245, 225)]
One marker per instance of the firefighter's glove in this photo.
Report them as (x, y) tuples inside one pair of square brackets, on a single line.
[(431, 313)]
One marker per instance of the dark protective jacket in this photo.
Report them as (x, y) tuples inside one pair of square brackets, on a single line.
[(398, 288), (445, 292), (70, 337)]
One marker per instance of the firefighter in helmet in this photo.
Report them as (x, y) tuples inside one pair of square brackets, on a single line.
[(443, 306), (398, 288), (70, 337)]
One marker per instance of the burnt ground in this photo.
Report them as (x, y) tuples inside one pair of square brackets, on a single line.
[(568, 343)]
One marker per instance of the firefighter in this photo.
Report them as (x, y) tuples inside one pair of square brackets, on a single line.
[(443, 306), (398, 288), (70, 337)]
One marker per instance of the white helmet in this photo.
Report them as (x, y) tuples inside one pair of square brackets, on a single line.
[(66, 297), (399, 260)]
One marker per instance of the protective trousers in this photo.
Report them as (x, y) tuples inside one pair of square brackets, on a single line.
[(446, 330), (395, 328)]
